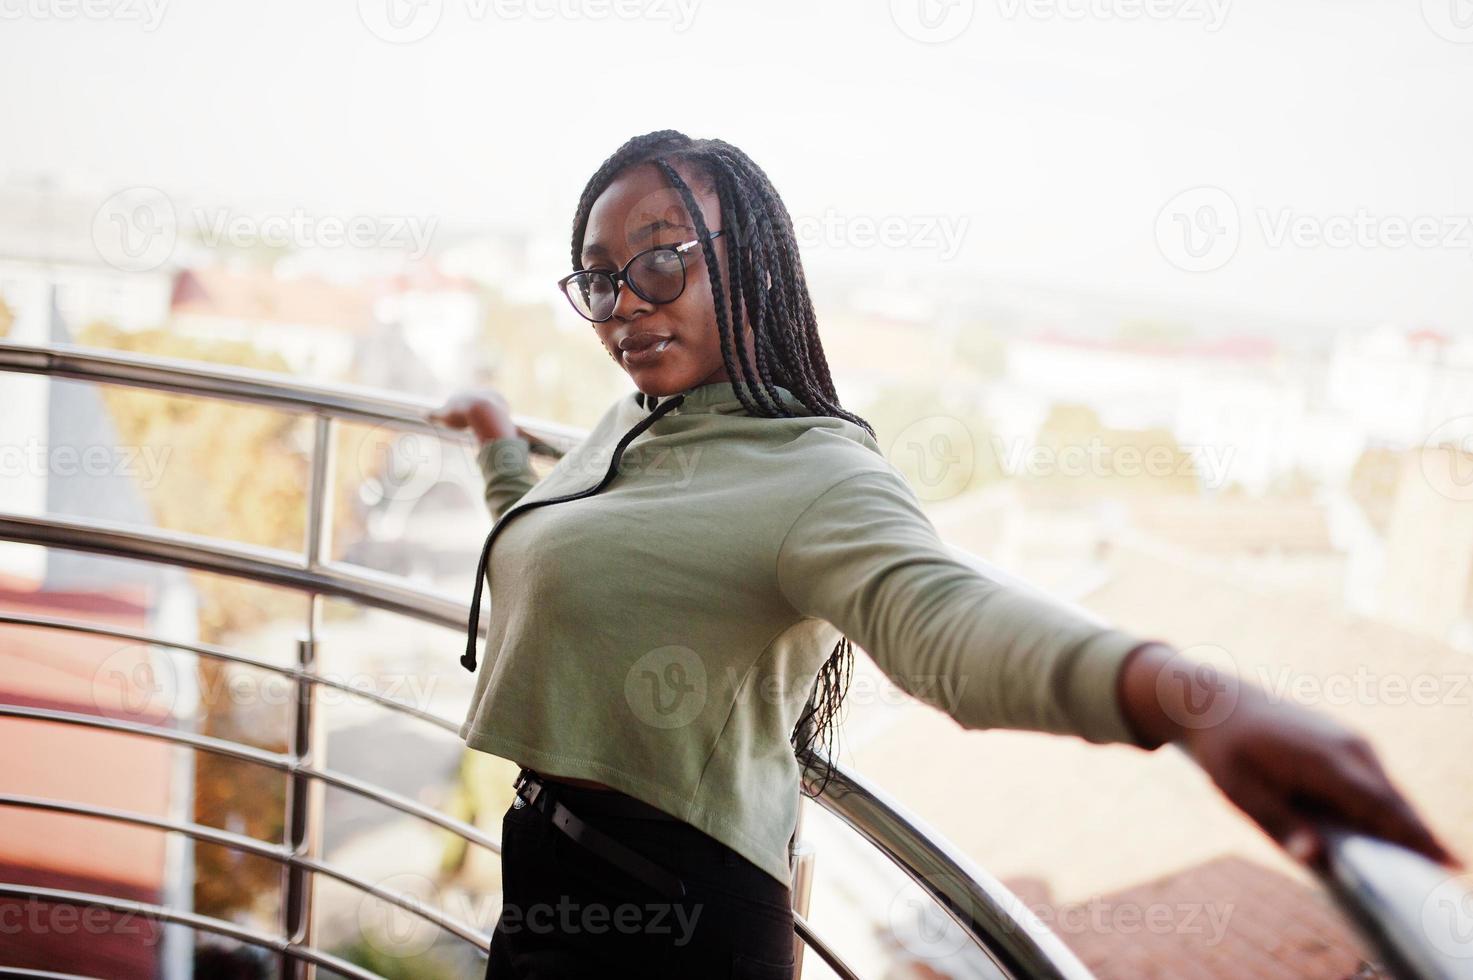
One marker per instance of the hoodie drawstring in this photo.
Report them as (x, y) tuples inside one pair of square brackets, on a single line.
[(468, 659)]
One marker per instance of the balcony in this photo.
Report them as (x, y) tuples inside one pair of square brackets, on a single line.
[(299, 806)]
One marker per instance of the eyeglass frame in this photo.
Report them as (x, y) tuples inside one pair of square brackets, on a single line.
[(622, 276)]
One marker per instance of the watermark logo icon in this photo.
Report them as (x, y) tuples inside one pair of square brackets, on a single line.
[(937, 455), (666, 688), (1199, 229), (1447, 459), (1451, 20), (136, 229), (1447, 917), (399, 465), (1199, 688), (401, 21), (932, 21)]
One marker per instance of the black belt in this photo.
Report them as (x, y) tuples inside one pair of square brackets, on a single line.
[(541, 793)]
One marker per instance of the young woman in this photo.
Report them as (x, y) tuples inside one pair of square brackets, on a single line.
[(672, 605)]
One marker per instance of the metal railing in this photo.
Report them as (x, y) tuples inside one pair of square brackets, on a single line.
[(1367, 877)]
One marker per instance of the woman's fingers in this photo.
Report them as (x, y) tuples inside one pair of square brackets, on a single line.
[(1364, 795), (1271, 811)]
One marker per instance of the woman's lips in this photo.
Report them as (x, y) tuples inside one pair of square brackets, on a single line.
[(647, 354)]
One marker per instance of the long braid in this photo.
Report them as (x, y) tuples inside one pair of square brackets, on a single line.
[(769, 293)]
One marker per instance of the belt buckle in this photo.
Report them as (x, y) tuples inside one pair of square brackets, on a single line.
[(523, 779)]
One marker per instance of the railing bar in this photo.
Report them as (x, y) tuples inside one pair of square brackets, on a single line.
[(387, 798), (213, 835), (823, 949), (205, 743), (272, 760), (20, 971), (217, 653), (219, 927), (464, 932), (996, 919), (250, 845), (268, 566), (277, 391)]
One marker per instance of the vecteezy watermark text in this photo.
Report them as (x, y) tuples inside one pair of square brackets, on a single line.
[(138, 229)]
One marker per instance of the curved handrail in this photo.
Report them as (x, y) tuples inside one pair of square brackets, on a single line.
[(257, 848), (1417, 916), (204, 923), (1369, 883), (267, 566), (255, 387), (295, 674), (260, 757), (994, 918)]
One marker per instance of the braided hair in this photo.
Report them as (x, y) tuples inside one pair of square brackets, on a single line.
[(770, 292)]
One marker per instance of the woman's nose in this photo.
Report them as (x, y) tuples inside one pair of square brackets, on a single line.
[(628, 302)]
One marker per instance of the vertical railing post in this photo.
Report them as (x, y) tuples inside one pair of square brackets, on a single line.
[(303, 814), (800, 869), (318, 541), (304, 795)]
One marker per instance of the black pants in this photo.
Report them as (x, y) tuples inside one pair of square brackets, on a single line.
[(567, 912)]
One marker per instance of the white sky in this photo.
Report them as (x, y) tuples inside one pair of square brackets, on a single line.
[(1057, 138)]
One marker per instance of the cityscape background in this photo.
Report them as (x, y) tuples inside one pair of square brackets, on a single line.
[(1166, 309)]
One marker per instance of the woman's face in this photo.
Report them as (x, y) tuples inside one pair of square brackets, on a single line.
[(665, 347)]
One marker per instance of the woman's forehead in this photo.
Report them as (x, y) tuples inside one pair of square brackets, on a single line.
[(638, 205)]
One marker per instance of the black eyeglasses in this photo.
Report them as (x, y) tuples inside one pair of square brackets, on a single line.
[(657, 275)]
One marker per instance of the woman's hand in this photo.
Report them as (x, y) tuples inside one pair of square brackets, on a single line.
[(484, 412), (1285, 766)]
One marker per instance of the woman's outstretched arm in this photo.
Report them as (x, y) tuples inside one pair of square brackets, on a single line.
[(864, 557)]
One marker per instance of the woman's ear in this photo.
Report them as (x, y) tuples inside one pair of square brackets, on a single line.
[(769, 279)]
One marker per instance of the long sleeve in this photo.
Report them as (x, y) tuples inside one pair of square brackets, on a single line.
[(864, 557), (506, 465)]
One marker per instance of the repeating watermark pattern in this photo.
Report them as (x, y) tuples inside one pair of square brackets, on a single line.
[(403, 930), (408, 21), (139, 228), (667, 687), (943, 234), (1451, 20), (1201, 229), (147, 14), (1200, 687), (673, 466), (1366, 687), (1211, 14), (937, 454), (142, 465), (932, 21), (1447, 917), (566, 917), (298, 228), (398, 931), (923, 928), (1096, 916), (670, 686), (1446, 458), (136, 229), (132, 683), (1021, 457), (398, 464), (31, 916)]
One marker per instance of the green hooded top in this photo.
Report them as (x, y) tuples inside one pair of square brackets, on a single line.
[(658, 620)]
